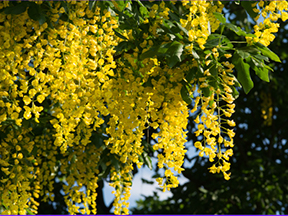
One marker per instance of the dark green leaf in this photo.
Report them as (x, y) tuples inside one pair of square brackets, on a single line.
[(238, 30), (172, 61), (157, 175), (235, 93), (17, 9), (262, 74), (220, 17), (115, 163), (185, 95), (121, 5), (35, 13), (120, 35), (146, 181), (103, 174), (259, 69), (124, 45), (214, 71), (206, 91), (211, 43), (92, 5), (182, 29), (147, 160), (243, 54), (267, 52), (175, 49), (249, 49), (260, 57), (243, 73), (191, 74), (174, 17), (195, 55), (153, 51), (247, 5)]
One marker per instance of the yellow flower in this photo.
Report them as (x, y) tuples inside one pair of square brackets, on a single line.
[(226, 176), (27, 100), (213, 169), (40, 98), (231, 123), (20, 156)]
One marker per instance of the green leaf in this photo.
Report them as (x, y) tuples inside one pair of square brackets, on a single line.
[(153, 51), (115, 163), (243, 54), (267, 52), (124, 45), (157, 175), (121, 5), (191, 74), (238, 30), (247, 5), (147, 160), (173, 50), (172, 61), (235, 93), (206, 91), (195, 55), (92, 5), (220, 17), (18, 9), (120, 35), (185, 95), (262, 74), (103, 174), (174, 17), (217, 39), (147, 181), (243, 73), (249, 49), (260, 57), (143, 10), (214, 71), (211, 43), (259, 69), (267, 67), (29, 211), (174, 53), (35, 13), (182, 29)]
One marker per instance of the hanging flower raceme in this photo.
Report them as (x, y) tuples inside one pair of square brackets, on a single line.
[(83, 83), (270, 12)]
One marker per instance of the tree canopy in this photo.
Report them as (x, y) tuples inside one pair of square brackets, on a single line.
[(259, 173), (90, 90)]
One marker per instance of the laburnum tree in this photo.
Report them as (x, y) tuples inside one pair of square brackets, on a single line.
[(259, 170), (88, 88)]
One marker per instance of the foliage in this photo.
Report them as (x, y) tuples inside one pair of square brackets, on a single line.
[(259, 172), (90, 89)]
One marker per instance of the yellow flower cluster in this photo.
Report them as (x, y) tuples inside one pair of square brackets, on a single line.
[(213, 120), (271, 11), (69, 78), (18, 170), (69, 66), (200, 21), (171, 120), (72, 66)]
